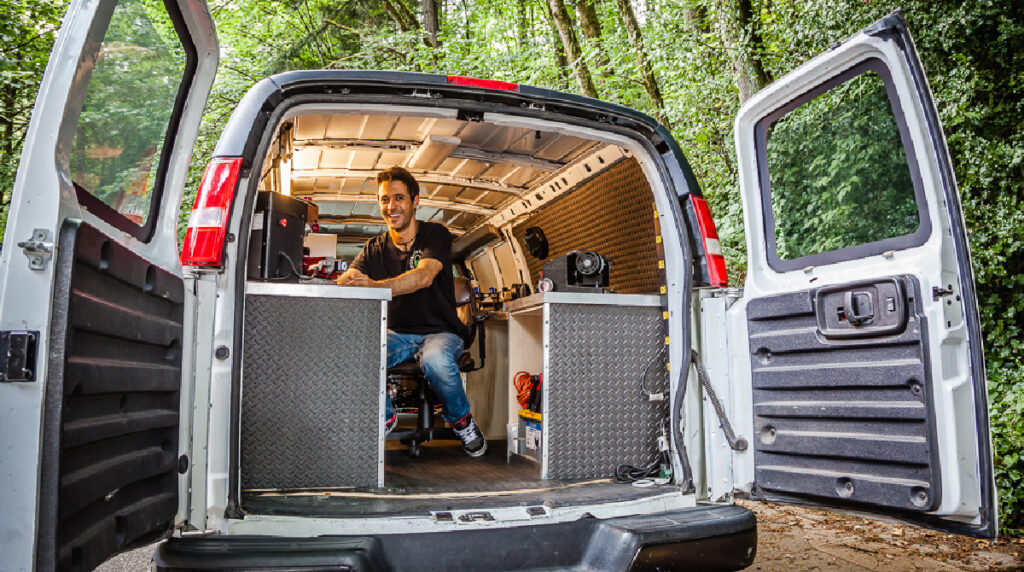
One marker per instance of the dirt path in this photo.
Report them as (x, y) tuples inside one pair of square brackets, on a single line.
[(795, 538)]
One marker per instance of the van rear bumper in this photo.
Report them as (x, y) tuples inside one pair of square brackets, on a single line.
[(701, 538)]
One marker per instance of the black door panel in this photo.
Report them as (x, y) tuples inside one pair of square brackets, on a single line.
[(110, 460), (840, 418)]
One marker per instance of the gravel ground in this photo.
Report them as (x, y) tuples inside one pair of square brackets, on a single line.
[(137, 560), (796, 538)]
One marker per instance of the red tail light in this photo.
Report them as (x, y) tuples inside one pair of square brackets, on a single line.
[(204, 239), (488, 83), (712, 248)]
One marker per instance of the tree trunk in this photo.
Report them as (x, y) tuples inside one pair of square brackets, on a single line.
[(742, 38), (642, 63), (560, 60), (401, 15), (589, 22), (430, 21), (751, 24), (396, 17), (521, 23), (409, 14), (560, 16), (591, 26), (7, 113)]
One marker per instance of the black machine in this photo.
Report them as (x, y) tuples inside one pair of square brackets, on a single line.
[(577, 271), (275, 247)]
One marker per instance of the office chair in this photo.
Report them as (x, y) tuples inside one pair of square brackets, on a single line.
[(422, 396)]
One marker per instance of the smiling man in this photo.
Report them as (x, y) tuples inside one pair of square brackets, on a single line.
[(414, 259)]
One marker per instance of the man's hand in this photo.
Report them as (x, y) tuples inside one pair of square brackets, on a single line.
[(353, 277)]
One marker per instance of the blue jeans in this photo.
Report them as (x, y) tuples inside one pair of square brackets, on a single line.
[(437, 355)]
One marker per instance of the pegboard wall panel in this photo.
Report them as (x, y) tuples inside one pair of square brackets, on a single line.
[(598, 415), (310, 392), (611, 214)]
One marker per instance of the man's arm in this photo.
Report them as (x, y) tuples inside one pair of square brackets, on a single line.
[(409, 281)]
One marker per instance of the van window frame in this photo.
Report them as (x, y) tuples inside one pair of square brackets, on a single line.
[(102, 210), (901, 242)]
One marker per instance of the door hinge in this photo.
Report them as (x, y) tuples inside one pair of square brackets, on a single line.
[(38, 248), (941, 292), (18, 355)]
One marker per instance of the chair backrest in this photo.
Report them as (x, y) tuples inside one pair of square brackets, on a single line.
[(465, 306)]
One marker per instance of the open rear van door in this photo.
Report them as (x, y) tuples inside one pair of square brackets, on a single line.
[(92, 306), (864, 348)]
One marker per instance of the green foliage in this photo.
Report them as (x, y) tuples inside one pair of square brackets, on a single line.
[(839, 173), (973, 53), (125, 115), (27, 30)]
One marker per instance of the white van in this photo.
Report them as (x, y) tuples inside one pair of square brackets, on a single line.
[(236, 405)]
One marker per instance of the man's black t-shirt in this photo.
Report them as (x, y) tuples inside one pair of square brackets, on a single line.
[(429, 310)]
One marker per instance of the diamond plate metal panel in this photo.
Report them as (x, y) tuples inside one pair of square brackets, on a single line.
[(598, 416), (310, 392)]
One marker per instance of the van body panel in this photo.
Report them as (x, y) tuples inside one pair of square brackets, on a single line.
[(50, 210), (872, 326)]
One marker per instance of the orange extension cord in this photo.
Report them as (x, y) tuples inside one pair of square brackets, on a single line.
[(521, 381)]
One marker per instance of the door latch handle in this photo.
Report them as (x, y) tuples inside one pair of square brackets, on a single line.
[(859, 307), (869, 308)]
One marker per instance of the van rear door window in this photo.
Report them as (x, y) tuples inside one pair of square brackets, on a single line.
[(130, 113), (839, 173)]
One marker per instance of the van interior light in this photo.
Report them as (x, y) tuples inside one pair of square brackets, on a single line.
[(433, 152), (712, 247), (207, 226), (487, 83)]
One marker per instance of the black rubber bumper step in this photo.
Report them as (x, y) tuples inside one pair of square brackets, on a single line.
[(701, 538)]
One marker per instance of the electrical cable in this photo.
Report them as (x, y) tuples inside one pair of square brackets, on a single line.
[(291, 263), (652, 396), (628, 474), (524, 386), (657, 472), (642, 476)]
